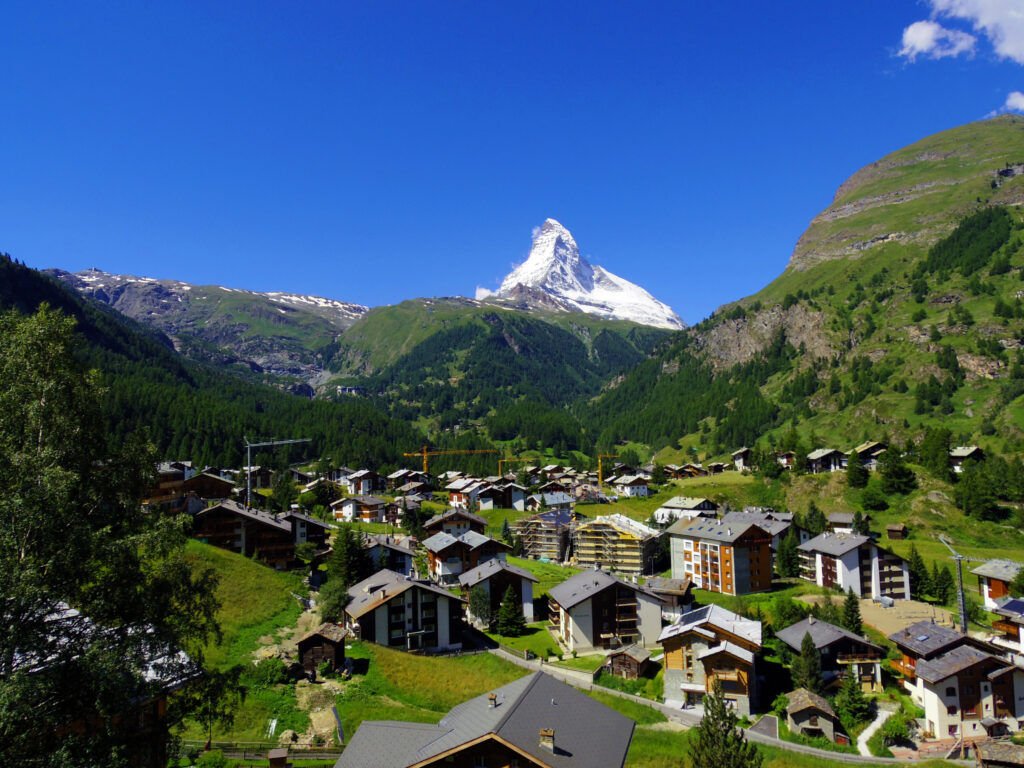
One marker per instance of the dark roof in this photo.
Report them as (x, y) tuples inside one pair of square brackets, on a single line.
[(763, 521), (822, 633), (802, 699), (441, 541), (834, 544), (384, 540), (332, 632), (925, 638), (487, 569), (256, 515), (585, 585), (453, 513), (586, 733), (384, 585), (999, 753), (950, 663), (710, 529), (309, 520), (1011, 608), (635, 651)]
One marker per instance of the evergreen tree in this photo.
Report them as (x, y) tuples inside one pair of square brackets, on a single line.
[(935, 581), (511, 622), (856, 473), (806, 668), (787, 559), (851, 613), (920, 582), (815, 521), (719, 742), (974, 493), (945, 586), (896, 476), (350, 563), (851, 704), (658, 476), (934, 452), (860, 525), (506, 531), (1016, 586)]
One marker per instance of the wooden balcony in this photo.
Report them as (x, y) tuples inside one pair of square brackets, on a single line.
[(858, 658), (1007, 628), (904, 669)]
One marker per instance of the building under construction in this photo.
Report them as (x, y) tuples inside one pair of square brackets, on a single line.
[(545, 536), (616, 543)]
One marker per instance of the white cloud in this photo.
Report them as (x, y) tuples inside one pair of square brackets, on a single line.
[(1014, 103), (1001, 21), (482, 293), (931, 39)]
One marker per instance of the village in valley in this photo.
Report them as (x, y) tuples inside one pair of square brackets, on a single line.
[(614, 605)]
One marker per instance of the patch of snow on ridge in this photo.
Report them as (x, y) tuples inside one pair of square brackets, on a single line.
[(556, 268)]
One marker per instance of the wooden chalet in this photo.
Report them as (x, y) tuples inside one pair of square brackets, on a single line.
[(896, 531), (326, 643), (963, 453), (455, 522), (258, 534), (628, 663), (450, 556)]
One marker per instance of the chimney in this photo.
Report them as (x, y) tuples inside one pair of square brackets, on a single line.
[(810, 619), (492, 701), (547, 738)]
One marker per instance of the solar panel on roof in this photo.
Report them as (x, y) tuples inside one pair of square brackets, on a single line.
[(1016, 604), (922, 638)]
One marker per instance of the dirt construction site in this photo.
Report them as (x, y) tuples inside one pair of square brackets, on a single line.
[(890, 620)]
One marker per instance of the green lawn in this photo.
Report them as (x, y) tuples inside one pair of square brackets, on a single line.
[(588, 663), (255, 601), (536, 639), (548, 574)]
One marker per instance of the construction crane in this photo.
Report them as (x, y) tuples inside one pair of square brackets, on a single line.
[(600, 474), (508, 461), (961, 599), (425, 452), (248, 462)]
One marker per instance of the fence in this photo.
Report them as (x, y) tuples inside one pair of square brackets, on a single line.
[(257, 750)]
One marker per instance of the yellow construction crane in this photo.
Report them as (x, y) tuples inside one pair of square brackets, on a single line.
[(600, 474), (425, 452), (509, 461)]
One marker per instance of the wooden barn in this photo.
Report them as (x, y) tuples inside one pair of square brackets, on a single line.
[(629, 662), (896, 531), (325, 643)]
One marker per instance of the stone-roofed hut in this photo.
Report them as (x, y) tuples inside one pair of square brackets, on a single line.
[(630, 662), (810, 715), (325, 643)]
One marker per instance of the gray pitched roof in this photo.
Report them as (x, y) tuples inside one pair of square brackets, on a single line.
[(384, 585), (587, 733), (822, 633), (1003, 570), (821, 453), (710, 529), (950, 663), (453, 513), (834, 544), (726, 647), (485, 570), (441, 541), (760, 519), (802, 699), (585, 585), (925, 637), (716, 616), (635, 651), (251, 513)]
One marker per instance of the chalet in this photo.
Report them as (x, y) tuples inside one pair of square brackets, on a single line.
[(364, 482), (810, 715), (682, 471), (394, 511), (496, 576), (716, 468), (208, 487), (825, 460), (842, 652), (463, 493), (326, 643), (594, 609), (709, 644), (306, 528), (362, 509), (994, 579), (300, 477), (415, 487), (259, 477), (340, 475), (395, 610), (629, 663), (721, 557), (786, 459), (964, 453), (741, 459), (450, 556), (676, 595), (769, 522), (922, 641), (1009, 625), (533, 722), (853, 561), (503, 496), (405, 476), (869, 453), (454, 522), (170, 477), (684, 506), (842, 522), (896, 531), (630, 486), (545, 536), (616, 542), (395, 553), (257, 534), (558, 501)]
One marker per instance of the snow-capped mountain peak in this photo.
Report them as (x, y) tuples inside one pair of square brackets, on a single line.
[(555, 276)]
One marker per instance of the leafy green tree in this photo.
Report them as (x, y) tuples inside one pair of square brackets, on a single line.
[(851, 704), (920, 582), (788, 557), (896, 476), (806, 668), (511, 621), (851, 613), (1016, 586), (719, 743), (480, 605), (856, 473), (332, 599), (73, 535), (214, 700)]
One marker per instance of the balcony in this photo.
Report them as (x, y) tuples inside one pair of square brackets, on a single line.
[(1007, 628), (858, 658), (904, 669)]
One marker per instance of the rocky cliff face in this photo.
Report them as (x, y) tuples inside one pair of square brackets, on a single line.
[(739, 340)]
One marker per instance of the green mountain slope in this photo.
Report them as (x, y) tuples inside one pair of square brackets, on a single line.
[(900, 309)]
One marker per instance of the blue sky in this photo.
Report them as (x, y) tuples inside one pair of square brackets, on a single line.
[(374, 152)]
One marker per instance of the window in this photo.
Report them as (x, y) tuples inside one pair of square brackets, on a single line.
[(950, 710), (951, 691)]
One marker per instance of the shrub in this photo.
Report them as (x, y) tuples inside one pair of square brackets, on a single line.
[(266, 673)]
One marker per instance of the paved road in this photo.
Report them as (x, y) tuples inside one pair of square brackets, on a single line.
[(767, 725)]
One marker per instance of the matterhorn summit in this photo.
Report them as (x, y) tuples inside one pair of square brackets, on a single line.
[(555, 276)]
